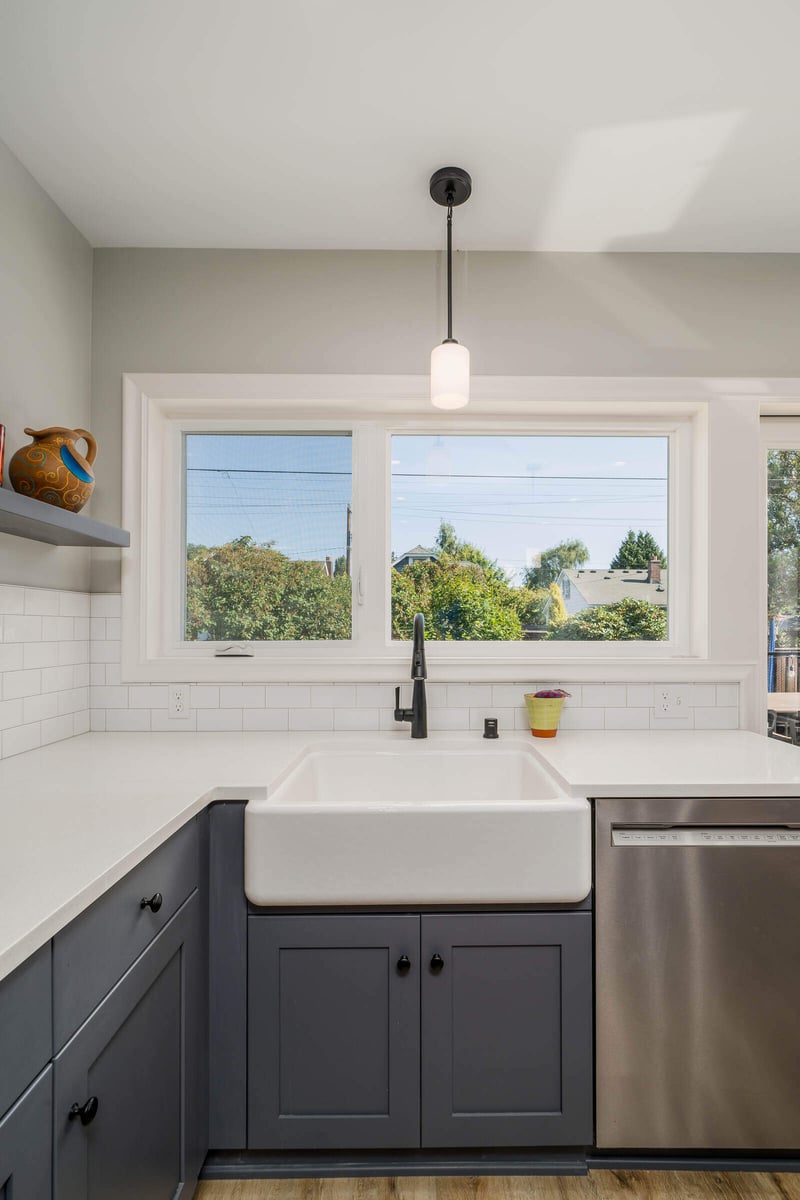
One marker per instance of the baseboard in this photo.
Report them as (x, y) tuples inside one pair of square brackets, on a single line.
[(254, 1164), (685, 1161)]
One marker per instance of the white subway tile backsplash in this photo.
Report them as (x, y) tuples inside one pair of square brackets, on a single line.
[(640, 695), (448, 719), (81, 722), (148, 696), (21, 683), (60, 653), (470, 695), (40, 708), (503, 716), (127, 720), (12, 599), (313, 719), (627, 718), (106, 604), (41, 602), (356, 718), (290, 695), (12, 712), (74, 604), (716, 718), (604, 695), (582, 718), (22, 738), (22, 628), (109, 697), (162, 722), (219, 720), (242, 697), (105, 651), (40, 654), (57, 728), (11, 657), (265, 719)]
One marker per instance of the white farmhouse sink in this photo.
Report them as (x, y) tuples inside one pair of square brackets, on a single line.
[(417, 822)]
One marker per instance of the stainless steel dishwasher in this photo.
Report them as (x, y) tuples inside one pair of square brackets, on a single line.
[(697, 909)]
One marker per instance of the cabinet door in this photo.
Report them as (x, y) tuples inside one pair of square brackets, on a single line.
[(333, 1032), (26, 1141), (137, 1059), (507, 1030)]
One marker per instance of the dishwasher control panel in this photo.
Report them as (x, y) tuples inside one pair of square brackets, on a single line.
[(706, 835)]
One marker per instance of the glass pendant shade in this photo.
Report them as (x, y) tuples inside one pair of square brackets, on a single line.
[(450, 375)]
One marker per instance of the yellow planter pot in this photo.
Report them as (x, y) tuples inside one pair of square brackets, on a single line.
[(544, 713)]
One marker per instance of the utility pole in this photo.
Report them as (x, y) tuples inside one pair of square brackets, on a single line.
[(349, 540)]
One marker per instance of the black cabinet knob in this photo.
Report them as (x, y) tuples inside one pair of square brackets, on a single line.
[(154, 903), (403, 964), (86, 1113), (437, 964)]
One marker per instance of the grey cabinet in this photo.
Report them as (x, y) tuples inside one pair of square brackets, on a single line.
[(507, 1029), (96, 949), (502, 1004), (333, 1032), (26, 1026), (129, 1092), (26, 1142)]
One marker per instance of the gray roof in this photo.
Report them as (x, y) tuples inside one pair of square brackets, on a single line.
[(418, 551), (607, 586)]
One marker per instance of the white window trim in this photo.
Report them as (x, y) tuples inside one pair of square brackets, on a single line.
[(158, 409)]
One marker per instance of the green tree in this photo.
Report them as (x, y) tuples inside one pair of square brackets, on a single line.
[(248, 591), (636, 552), (457, 599), (627, 620), (469, 607), (562, 557), (783, 532), (529, 604), (452, 547), (558, 609)]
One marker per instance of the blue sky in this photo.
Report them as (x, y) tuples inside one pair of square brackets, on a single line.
[(512, 496)]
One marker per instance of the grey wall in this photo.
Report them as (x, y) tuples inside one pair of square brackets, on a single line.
[(45, 348), (377, 312)]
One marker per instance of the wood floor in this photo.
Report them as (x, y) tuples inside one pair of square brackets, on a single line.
[(598, 1185)]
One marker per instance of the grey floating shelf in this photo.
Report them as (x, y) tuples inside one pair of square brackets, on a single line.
[(42, 522)]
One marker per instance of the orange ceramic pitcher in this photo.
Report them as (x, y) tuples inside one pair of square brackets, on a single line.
[(52, 469)]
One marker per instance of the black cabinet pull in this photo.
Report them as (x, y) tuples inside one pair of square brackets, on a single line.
[(437, 964), (403, 964), (86, 1112), (154, 903)]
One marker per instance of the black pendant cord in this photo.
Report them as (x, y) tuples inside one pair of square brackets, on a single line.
[(450, 272)]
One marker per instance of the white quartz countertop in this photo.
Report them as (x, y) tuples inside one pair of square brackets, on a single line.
[(78, 815)]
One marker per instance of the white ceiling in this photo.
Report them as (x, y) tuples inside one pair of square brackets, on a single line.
[(586, 124)]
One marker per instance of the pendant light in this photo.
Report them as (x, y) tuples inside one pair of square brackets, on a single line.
[(450, 186)]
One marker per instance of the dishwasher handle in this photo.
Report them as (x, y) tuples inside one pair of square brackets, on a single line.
[(707, 836)]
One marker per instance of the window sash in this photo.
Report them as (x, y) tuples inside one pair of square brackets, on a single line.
[(153, 581)]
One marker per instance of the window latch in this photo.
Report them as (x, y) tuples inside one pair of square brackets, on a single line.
[(234, 651), (360, 586)]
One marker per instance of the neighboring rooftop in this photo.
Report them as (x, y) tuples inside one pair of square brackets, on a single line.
[(608, 586)]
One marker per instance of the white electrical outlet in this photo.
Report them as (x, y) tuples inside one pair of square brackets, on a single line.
[(671, 702), (178, 704)]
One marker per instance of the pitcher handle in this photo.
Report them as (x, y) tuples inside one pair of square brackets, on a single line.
[(91, 445)]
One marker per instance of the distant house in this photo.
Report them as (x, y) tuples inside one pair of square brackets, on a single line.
[(584, 588), (415, 555)]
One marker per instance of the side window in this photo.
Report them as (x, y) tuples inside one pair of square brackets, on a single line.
[(267, 537)]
